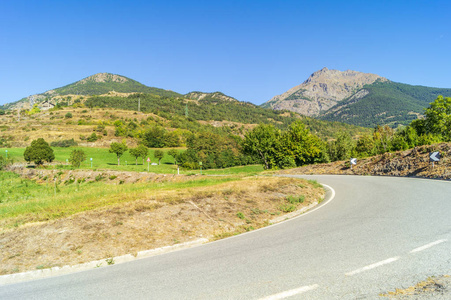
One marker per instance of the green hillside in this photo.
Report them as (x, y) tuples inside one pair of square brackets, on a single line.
[(388, 103), (89, 86), (212, 108)]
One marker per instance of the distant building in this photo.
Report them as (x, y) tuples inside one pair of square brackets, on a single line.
[(46, 105)]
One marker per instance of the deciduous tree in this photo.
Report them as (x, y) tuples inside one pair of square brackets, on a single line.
[(158, 154), (77, 156), (118, 149), (39, 152)]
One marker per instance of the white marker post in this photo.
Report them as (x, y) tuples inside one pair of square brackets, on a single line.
[(6, 154), (353, 162), (148, 161), (91, 162)]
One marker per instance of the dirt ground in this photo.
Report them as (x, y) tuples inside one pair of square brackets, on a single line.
[(413, 162), (209, 212)]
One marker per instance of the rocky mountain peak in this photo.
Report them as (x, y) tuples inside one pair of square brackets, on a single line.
[(103, 77), (322, 90)]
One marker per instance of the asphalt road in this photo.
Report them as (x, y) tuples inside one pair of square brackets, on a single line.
[(377, 234)]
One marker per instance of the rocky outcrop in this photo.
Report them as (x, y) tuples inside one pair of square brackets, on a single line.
[(216, 95), (322, 90)]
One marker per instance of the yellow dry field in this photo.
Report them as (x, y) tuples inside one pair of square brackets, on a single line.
[(53, 125), (164, 218)]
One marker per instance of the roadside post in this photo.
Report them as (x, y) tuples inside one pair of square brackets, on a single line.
[(434, 157), (148, 161), (6, 154), (200, 163), (353, 162), (91, 162)]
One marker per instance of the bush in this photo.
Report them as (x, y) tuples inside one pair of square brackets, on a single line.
[(92, 138), (77, 156), (68, 115), (4, 162), (39, 151), (64, 143)]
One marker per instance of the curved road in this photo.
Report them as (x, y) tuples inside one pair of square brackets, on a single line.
[(377, 234)]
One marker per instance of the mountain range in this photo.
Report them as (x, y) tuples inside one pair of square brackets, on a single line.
[(352, 97), (356, 98)]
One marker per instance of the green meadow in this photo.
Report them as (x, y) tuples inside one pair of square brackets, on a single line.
[(103, 160)]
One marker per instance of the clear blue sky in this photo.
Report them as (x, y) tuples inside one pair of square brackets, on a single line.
[(251, 50)]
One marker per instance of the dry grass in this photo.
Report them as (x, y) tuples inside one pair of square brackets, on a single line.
[(54, 126), (159, 219), (412, 162)]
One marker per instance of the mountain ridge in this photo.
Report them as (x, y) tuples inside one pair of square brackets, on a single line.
[(357, 98)]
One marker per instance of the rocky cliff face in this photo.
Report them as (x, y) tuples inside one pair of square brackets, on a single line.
[(216, 95), (322, 90), (103, 77)]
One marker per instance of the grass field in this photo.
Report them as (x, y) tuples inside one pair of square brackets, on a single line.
[(102, 159), (23, 200)]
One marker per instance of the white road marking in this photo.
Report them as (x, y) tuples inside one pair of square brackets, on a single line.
[(291, 293), (427, 246), (375, 265)]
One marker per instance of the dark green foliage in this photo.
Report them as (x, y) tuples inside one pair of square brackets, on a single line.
[(155, 137), (388, 102), (77, 156), (92, 138), (4, 162), (295, 146), (118, 149), (64, 143), (39, 152), (158, 154), (304, 147), (342, 147), (4, 141), (135, 153), (210, 108), (2, 112), (174, 153), (68, 115), (213, 150), (438, 118), (140, 151), (91, 87), (262, 142)]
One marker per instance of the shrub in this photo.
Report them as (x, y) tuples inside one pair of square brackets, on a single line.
[(92, 138), (39, 151), (77, 156), (4, 162), (68, 115), (295, 199), (240, 215), (64, 143)]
